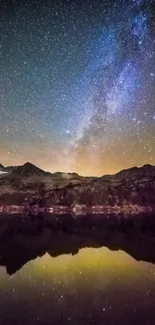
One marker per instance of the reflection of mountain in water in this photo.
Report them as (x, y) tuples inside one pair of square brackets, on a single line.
[(19, 247)]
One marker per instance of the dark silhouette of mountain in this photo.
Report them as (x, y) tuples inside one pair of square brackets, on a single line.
[(131, 186), (1, 167), (25, 170), (26, 247), (28, 170), (69, 176), (10, 168), (145, 171)]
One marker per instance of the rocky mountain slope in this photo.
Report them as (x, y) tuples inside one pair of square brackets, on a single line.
[(1, 167), (131, 186), (28, 177)]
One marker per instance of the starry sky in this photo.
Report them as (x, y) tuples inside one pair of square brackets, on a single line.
[(77, 81)]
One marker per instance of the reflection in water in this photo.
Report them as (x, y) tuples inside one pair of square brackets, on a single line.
[(17, 250), (70, 278)]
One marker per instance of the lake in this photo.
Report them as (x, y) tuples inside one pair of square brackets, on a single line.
[(100, 278)]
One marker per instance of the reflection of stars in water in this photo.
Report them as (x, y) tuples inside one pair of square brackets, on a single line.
[(88, 288)]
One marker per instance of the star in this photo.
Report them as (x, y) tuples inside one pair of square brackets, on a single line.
[(77, 85)]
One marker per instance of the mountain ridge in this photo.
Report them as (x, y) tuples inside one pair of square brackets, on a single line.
[(135, 185), (28, 169)]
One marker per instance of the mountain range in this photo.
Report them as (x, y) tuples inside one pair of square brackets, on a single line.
[(28, 169), (135, 185)]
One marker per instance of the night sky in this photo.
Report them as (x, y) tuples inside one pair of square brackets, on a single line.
[(77, 84)]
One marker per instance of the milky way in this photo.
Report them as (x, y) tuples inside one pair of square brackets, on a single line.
[(77, 84)]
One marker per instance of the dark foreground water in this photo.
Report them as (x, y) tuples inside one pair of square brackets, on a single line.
[(92, 277)]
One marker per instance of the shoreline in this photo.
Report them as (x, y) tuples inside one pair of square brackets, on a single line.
[(77, 209)]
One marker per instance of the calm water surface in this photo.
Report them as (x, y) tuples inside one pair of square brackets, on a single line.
[(94, 286)]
